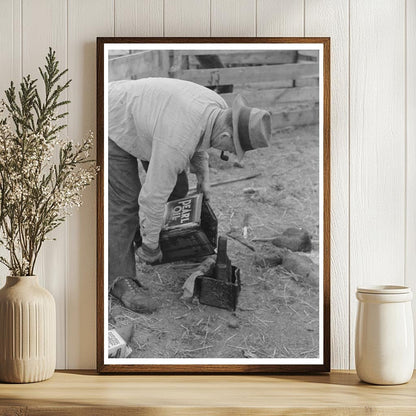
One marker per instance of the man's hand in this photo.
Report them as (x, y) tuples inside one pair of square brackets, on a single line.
[(200, 166), (205, 188), (148, 255)]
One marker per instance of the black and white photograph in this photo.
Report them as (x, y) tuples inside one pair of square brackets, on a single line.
[(214, 213)]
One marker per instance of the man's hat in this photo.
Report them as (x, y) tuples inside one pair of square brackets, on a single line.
[(251, 127)]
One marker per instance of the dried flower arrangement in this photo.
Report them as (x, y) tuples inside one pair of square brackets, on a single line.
[(42, 176)]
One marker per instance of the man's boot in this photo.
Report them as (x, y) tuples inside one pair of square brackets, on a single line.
[(133, 296)]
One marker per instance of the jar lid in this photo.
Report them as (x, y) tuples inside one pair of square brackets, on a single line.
[(384, 289)]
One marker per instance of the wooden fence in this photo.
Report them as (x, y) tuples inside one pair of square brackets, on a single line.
[(284, 82)]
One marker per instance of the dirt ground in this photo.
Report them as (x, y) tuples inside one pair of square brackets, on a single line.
[(278, 312)]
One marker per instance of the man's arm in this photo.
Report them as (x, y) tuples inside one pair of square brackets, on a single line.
[(200, 166), (166, 163)]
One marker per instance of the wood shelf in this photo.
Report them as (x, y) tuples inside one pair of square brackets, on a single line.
[(86, 393)]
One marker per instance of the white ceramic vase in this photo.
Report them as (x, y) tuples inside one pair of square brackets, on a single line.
[(27, 331), (384, 340)]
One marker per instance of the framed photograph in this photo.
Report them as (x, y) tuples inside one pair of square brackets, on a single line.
[(213, 230)]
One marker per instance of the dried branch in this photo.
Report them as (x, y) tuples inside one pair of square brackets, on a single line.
[(36, 194)]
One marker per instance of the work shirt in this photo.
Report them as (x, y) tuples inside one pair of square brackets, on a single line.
[(169, 123)]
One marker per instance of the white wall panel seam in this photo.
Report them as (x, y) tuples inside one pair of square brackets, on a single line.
[(210, 18), (21, 38), (66, 222), (405, 145), (349, 185), (66, 228), (304, 17), (410, 43), (405, 138)]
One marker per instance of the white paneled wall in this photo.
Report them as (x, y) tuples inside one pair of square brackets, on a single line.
[(410, 114), (377, 144), (331, 18), (373, 132), (86, 19)]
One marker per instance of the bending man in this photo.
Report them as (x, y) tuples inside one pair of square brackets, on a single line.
[(167, 124)]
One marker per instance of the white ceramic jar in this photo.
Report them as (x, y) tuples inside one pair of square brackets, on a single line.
[(384, 338)]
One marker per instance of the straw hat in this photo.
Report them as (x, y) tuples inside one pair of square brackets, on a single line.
[(251, 127)]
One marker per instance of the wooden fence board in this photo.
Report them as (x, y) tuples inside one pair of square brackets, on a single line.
[(301, 117), (250, 57), (224, 76), (139, 65), (308, 56), (268, 98), (306, 82), (256, 86)]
